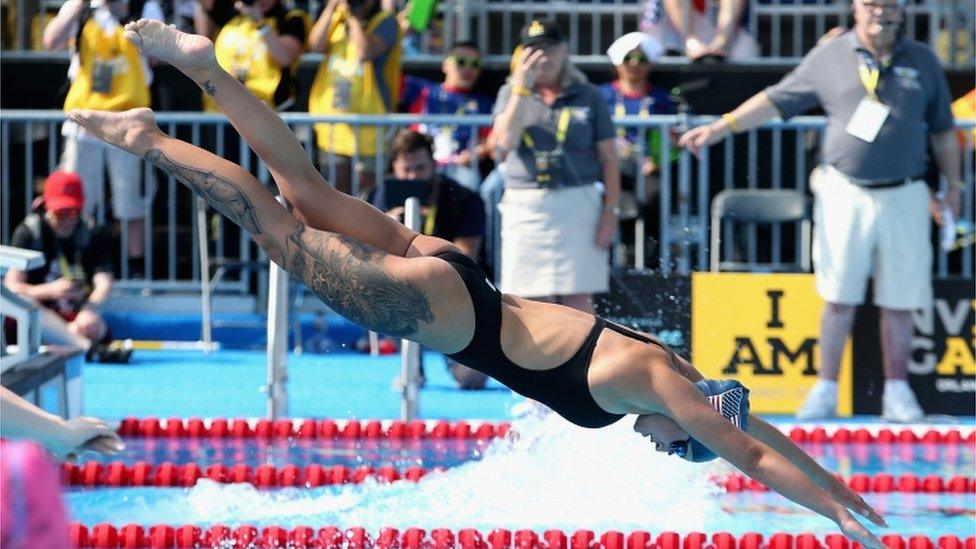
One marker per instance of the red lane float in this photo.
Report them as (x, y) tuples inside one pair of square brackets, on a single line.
[(162, 536), (167, 474), (263, 429), (880, 483), (118, 474), (881, 435)]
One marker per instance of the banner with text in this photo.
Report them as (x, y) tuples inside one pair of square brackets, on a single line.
[(762, 329)]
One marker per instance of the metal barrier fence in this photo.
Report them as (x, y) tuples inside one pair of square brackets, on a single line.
[(672, 235), (788, 28)]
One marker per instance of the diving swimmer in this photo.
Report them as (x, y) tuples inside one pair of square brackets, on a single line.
[(387, 278)]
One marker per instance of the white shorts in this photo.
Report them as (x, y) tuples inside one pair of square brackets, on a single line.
[(859, 233), (88, 158), (549, 242)]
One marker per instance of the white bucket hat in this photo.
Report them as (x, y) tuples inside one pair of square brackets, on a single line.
[(651, 47)]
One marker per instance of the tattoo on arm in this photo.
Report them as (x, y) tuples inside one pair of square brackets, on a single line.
[(208, 88), (350, 278), (224, 195)]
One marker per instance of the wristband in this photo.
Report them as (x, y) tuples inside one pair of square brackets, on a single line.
[(615, 210), (731, 122), (522, 90)]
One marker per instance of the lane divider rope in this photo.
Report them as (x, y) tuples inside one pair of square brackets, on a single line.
[(151, 427), (161, 536), (167, 474)]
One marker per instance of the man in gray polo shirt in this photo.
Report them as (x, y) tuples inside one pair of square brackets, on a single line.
[(885, 96)]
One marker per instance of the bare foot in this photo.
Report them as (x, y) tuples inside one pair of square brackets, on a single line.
[(188, 52), (132, 130)]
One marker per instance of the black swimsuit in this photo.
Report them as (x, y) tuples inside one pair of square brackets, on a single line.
[(563, 388)]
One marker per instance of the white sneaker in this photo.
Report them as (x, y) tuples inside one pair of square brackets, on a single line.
[(821, 402), (898, 403)]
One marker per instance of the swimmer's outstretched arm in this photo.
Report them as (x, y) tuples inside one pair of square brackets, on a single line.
[(843, 494), (678, 398), (382, 292), (315, 202), (772, 437)]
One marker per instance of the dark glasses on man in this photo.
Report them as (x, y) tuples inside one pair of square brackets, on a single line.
[(638, 58), (66, 214), (462, 61)]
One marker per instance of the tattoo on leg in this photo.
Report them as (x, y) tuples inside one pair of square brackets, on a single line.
[(224, 195), (208, 88), (355, 284)]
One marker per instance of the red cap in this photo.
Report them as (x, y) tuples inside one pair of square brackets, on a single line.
[(63, 191)]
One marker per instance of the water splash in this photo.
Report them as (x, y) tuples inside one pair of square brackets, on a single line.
[(554, 475)]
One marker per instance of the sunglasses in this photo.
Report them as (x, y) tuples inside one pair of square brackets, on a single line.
[(462, 61), (884, 6), (638, 58), (66, 214)]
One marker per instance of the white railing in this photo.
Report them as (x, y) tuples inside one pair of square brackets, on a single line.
[(778, 155)]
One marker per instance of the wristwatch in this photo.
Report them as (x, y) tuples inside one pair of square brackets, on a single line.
[(615, 210)]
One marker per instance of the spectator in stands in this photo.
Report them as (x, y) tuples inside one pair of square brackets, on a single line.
[(261, 46), (885, 96), (450, 211), (76, 278), (685, 29), (632, 93), (107, 73), (359, 75), (209, 16), (555, 131), (457, 149)]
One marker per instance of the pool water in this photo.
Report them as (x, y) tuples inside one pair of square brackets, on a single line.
[(554, 475)]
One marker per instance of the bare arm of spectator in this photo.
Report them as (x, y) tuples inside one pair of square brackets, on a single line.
[(368, 45), (202, 22), (63, 26), (945, 148), (609, 163), (729, 15), (679, 13), (318, 38), (756, 111), (510, 123), (469, 245), (102, 287), (21, 419), (16, 281), (283, 47)]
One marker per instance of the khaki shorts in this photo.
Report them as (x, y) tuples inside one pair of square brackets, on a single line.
[(88, 158), (880, 233)]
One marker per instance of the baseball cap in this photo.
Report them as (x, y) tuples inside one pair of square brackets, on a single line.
[(540, 32), (729, 398), (63, 191), (651, 47)]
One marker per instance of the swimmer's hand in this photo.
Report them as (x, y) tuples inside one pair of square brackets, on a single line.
[(79, 435), (854, 530), (850, 499)]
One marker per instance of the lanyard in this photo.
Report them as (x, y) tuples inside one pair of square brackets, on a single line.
[(870, 73), (561, 128), (619, 110), (430, 220)]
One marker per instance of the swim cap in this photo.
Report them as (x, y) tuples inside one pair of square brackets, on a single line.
[(729, 398)]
